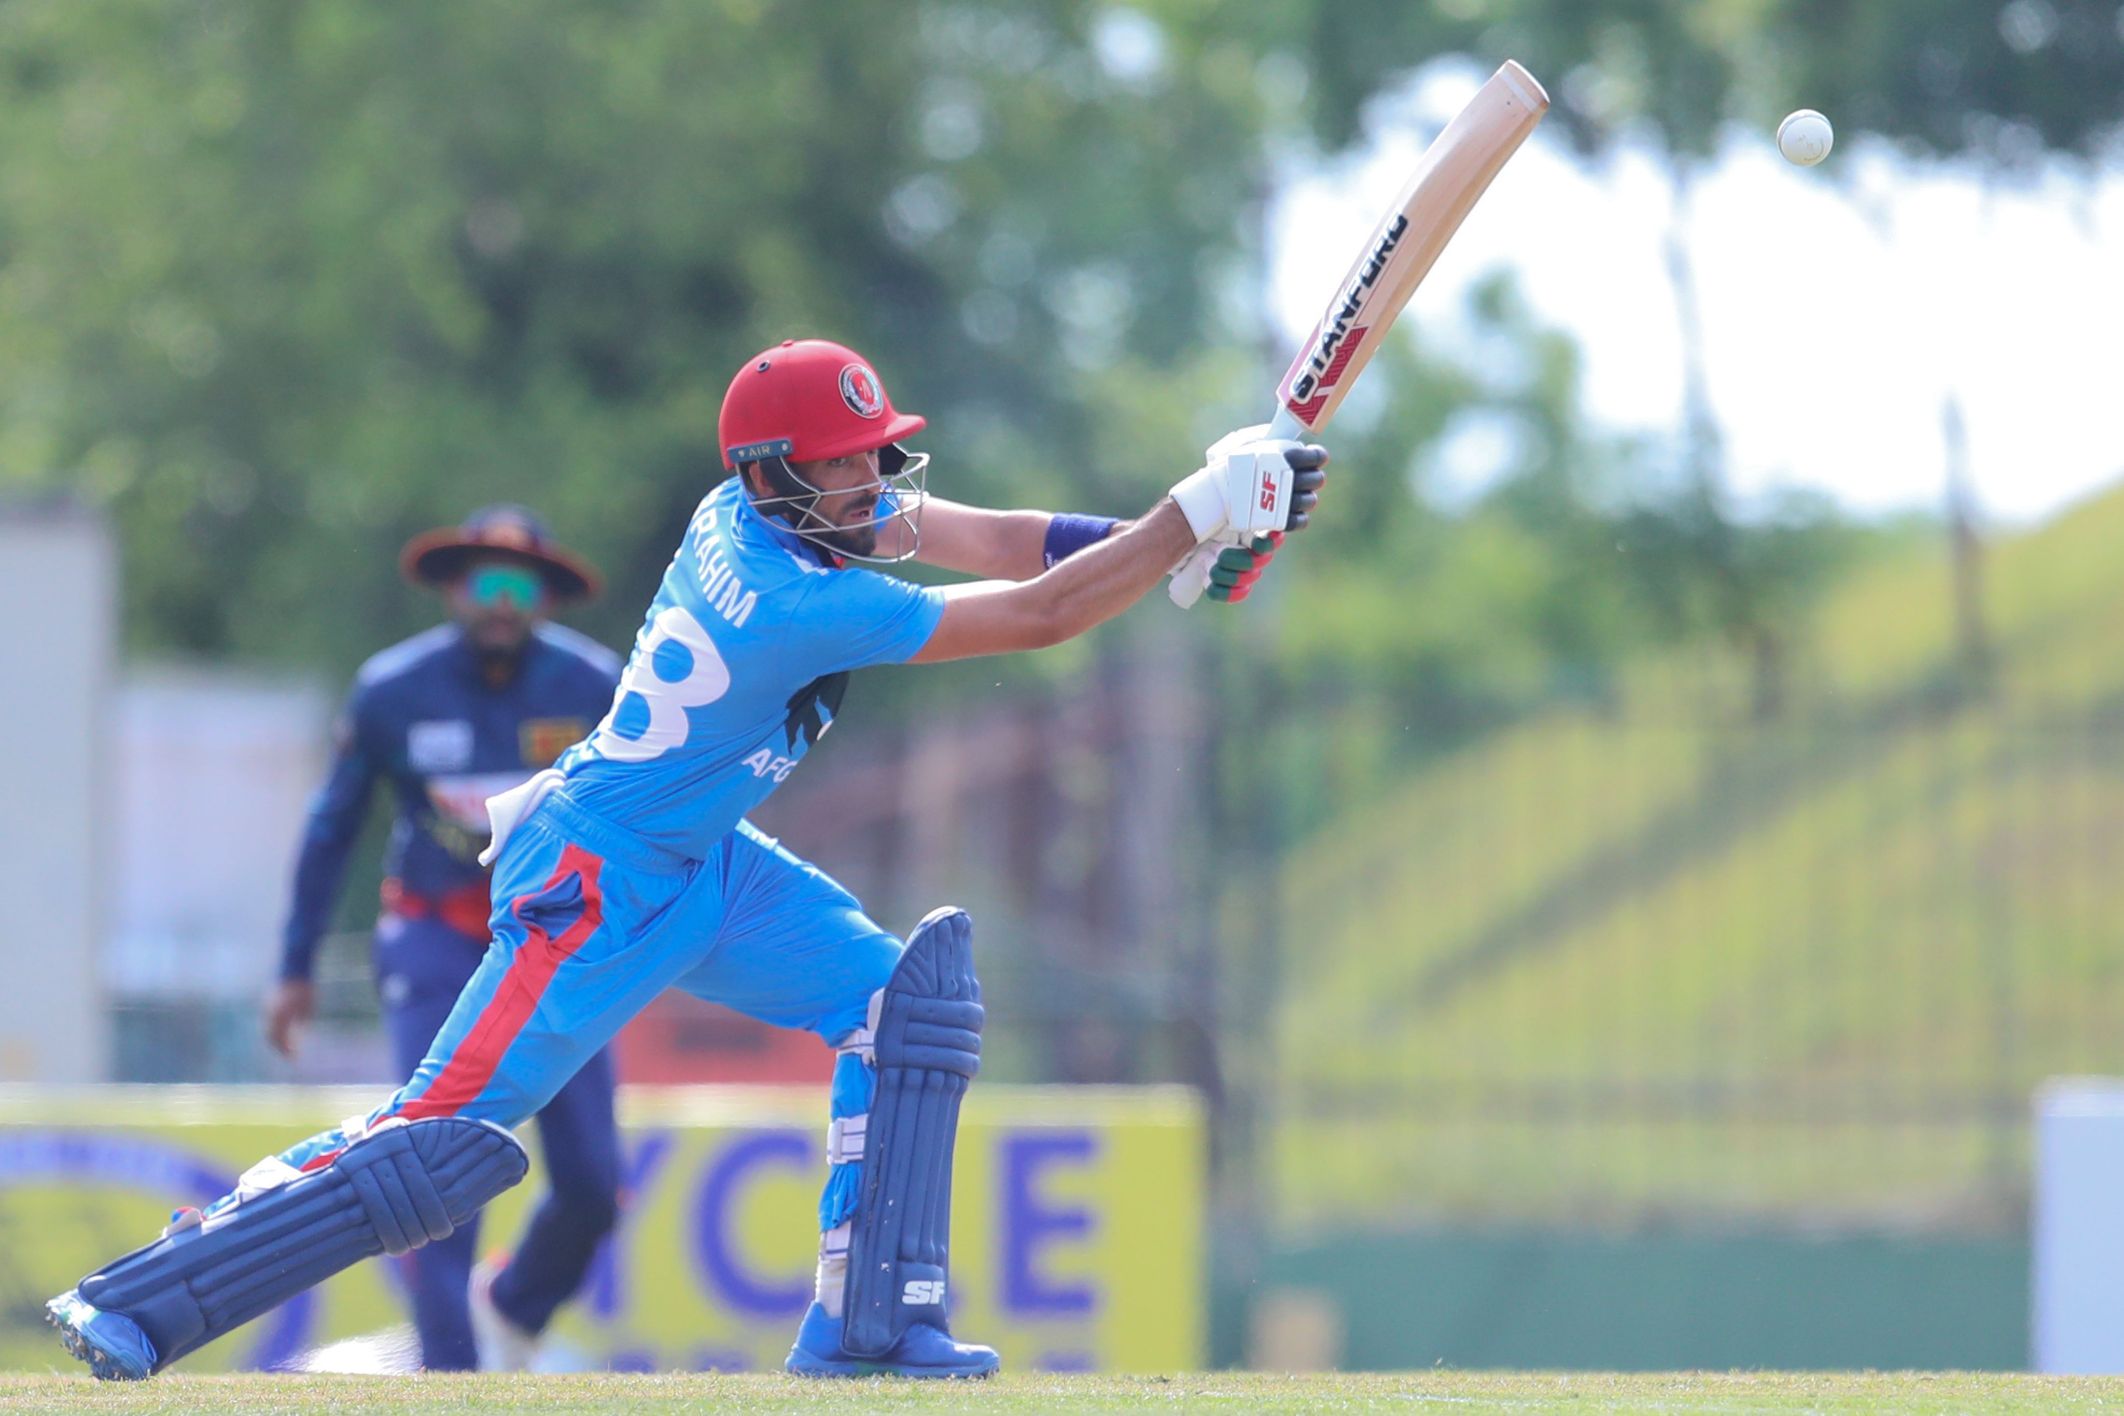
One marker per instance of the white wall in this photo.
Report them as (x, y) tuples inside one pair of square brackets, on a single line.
[(58, 629), (2077, 1289), (213, 775)]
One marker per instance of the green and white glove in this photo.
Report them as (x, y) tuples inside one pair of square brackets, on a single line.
[(1226, 565), (1243, 489)]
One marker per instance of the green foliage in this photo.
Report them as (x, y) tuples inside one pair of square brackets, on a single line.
[(1660, 957), (282, 283), (2002, 82), (1581, 550), (2007, 82)]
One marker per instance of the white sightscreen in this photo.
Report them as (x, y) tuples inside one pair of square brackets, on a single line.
[(58, 623)]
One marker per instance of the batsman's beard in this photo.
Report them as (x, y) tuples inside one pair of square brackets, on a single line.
[(900, 496)]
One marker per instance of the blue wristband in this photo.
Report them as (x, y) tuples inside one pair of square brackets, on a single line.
[(1068, 534)]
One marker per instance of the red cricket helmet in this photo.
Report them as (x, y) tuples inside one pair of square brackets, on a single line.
[(805, 400)]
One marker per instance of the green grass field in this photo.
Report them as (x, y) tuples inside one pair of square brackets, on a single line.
[(1239, 1392), (1658, 957)]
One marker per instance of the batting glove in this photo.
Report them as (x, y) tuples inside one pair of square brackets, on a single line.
[(1228, 563), (1244, 488)]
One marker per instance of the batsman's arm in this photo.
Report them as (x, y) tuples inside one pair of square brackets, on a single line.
[(996, 545), (1087, 589), (974, 540)]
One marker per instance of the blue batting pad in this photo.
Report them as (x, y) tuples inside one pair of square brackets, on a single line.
[(928, 1048), (388, 1192)]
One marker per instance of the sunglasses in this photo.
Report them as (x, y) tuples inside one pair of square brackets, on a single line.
[(518, 586)]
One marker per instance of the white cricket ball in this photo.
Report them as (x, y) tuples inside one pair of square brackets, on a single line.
[(1805, 137)]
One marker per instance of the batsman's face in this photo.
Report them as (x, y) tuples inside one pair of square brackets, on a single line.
[(850, 502)]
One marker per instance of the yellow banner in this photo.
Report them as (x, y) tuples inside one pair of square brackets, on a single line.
[(1076, 1222)]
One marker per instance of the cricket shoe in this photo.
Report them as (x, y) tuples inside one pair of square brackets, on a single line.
[(922, 1351), (502, 1345), (112, 1344)]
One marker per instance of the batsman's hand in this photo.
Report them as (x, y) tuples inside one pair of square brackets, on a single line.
[(1243, 487), (289, 1009), (1229, 562)]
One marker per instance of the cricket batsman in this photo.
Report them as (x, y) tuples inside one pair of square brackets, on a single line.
[(449, 718), (629, 867)]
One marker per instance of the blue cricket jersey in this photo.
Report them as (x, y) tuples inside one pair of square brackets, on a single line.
[(423, 718), (738, 669)]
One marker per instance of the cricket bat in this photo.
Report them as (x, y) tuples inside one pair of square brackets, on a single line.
[(1454, 172)]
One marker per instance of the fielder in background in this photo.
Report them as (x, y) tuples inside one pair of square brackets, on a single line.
[(449, 718), (629, 868)]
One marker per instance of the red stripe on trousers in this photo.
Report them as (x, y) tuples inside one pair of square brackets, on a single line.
[(472, 1064)]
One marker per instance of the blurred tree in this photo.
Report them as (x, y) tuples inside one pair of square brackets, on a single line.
[(2002, 80), (2006, 84), (280, 283)]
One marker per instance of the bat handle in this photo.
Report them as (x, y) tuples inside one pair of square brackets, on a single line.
[(1284, 426)]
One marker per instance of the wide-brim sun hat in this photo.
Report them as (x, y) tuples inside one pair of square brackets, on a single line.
[(500, 532)]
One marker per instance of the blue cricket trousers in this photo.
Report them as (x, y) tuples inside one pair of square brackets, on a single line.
[(590, 923)]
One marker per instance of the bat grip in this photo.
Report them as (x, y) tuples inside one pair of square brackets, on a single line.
[(1284, 426)]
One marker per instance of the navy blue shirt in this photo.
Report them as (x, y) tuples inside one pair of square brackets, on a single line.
[(422, 717)]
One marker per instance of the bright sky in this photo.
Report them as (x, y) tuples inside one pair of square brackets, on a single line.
[(1841, 304)]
